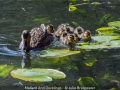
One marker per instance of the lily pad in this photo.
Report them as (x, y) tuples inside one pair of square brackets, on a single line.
[(114, 24), (72, 8), (88, 82), (5, 69), (37, 74), (106, 30), (54, 53), (109, 77), (113, 89), (90, 61), (95, 3), (103, 42)]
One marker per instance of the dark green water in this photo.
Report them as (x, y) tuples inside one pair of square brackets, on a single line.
[(18, 15)]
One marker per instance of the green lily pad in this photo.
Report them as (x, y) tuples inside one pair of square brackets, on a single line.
[(55, 53), (5, 69), (106, 30), (88, 82), (103, 42), (90, 61), (114, 24), (37, 74), (109, 77), (72, 8), (95, 3), (113, 89), (116, 38)]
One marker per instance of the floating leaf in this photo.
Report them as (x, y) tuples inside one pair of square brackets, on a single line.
[(95, 3), (5, 69), (113, 89), (103, 42), (109, 77), (72, 8), (88, 82), (85, 0), (114, 24), (104, 18), (75, 24), (54, 53), (37, 74), (105, 30), (116, 38), (90, 61)]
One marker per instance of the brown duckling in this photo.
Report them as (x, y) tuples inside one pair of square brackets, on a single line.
[(68, 40), (38, 37), (76, 38), (60, 29), (64, 28), (79, 31), (86, 36)]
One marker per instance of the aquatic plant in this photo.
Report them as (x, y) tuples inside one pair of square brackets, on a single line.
[(37, 74), (5, 69)]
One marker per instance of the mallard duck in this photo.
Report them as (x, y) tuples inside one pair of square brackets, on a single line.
[(86, 36), (79, 31), (38, 37)]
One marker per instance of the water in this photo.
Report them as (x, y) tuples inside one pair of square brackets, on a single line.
[(19, 15)]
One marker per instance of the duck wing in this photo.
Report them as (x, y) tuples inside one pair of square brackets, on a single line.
[(37, 34)]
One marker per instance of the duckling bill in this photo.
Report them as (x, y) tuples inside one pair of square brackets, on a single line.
[(37, 38)]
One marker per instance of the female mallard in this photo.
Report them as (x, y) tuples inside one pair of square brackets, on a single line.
[(39, 37)]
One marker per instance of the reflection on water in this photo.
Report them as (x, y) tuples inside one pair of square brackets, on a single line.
[(19, 15), (26, 61)]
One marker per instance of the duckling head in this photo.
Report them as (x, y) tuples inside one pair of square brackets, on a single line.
[(76, 38), (79, 30), (86, 36), (50, 28), (25, 40), (87, 33)]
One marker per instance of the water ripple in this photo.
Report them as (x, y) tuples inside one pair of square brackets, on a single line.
[(4, 50)]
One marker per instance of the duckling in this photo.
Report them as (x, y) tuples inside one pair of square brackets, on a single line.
[(76, 38), (64, 28), (68, 40), (69, 29), (79, 31), (86, 36), (60, 29), (38, 37)]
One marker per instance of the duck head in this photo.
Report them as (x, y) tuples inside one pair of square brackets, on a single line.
[(25, 41)]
